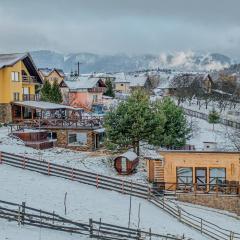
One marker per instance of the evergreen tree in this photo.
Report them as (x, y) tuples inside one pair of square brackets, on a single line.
[(56, 95), (45, 93), (109, 92), (176, 130), (213, 117), (132, 121)]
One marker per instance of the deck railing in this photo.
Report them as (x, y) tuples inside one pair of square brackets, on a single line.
[(143, 191), (29, 79), (45, 123)]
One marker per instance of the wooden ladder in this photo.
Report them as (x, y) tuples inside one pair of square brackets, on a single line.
[(158, 171)]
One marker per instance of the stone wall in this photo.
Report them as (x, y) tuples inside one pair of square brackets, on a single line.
[(5, 113), (223, 202), (62, 140)]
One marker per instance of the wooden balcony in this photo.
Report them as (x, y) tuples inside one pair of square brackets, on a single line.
[(29, 79), (96, 90), (30, 97)]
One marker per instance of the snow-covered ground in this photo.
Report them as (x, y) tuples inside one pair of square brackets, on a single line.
[(83, 202), (228, 113), (204, 132), (11, 231), (80, 160)]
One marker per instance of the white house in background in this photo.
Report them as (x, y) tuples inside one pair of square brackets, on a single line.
[(165, 87), (126, 83)]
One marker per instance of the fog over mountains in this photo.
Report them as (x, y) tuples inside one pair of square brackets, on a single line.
[(186, 61)]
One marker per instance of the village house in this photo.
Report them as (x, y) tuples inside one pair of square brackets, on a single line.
[(126, 83), (68, 126), (86, 92), (51, 75), (194, 170), (18, 80)]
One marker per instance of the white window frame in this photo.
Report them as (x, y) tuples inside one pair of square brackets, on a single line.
[(15, 76)]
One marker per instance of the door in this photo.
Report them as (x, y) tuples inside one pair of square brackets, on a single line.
[(201, 178), (124, 165)]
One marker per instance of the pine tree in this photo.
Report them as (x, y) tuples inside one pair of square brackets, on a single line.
[(131, 122), (56, 95), (176, 130), (109, 92), (213, 117), (45, 93)]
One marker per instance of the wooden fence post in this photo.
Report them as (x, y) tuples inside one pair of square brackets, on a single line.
[(179, 213), (201, 225), (23, 212), (19, 215), (90, 228), (24, 161), (122, 186), (0, 157), (48, 168), (72, 174), (53, 217), (150, 233), (97, 181)]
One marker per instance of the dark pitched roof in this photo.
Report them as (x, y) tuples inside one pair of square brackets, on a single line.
[(8, 60)]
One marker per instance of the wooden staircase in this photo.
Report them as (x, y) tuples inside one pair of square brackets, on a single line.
[(158, 171)]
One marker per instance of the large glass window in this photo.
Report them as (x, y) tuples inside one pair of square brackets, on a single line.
[(77, 139), (217, 175), (184, 175)]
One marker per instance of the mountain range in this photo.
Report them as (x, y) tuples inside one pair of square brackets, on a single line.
[(89, 62)]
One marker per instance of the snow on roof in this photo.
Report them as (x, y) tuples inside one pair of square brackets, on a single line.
[(100, 130), (131, 156), (11, 59), (44, 105), (75, 83), (47, 71), (133, 80)]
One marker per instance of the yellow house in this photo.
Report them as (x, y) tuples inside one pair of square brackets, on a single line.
[(51, 75), (18, 78)]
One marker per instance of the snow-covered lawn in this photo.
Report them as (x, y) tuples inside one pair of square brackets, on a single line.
[(11, 231), (203, 132), (230, 114), (83, 202), (223, 218), (81, 160)]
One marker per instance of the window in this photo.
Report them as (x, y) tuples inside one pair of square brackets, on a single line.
[(16, 96), (95, 98), (121, 84), (217, 175), (77, 139), (184, 175), (15, 76)]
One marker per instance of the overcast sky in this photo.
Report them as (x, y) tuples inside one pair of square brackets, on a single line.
[(120, 26)]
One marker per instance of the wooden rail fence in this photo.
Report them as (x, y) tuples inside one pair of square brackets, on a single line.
[(204, 116), (125, 187), (25, 215)]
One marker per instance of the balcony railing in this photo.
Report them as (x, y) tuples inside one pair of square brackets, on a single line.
[(29, 79), (30, 97), (96, 89)]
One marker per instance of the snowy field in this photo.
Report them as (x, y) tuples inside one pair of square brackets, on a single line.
[(204, 132), (228, 113), (83, 202), (80, 160)]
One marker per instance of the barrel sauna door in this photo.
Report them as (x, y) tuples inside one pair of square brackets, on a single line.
[(124, 165), (201, 178)]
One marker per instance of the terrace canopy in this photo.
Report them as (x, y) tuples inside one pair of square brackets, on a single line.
[(40, 109)]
